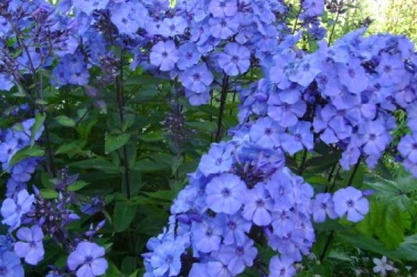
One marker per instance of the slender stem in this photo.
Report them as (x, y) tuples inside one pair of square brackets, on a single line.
[(296, 19), (121, 104), (38, 93), (355, 169), (333, 27), (334, 178), (326, 246), (223, 97), (303, 162)]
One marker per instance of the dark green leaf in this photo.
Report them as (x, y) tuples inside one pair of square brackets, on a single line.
[(65, 121), (114, 142), (97, 163), (26, 152), (123, 215), (39, 120)]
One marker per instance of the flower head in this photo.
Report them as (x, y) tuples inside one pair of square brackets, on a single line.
[(350, 201), (30, 247), (87, 259), (381, 266)]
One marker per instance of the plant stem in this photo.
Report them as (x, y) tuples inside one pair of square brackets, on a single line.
[(326, 246), (355, 169), (333, 28), (303, 162), (225, 85), (121, 104)]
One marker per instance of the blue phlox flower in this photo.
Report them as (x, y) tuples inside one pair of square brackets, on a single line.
[(197, 99), (173, 26), (222, 8), (281, 187), (88, 6), (224, 193), (197, 78), (352, 153), (206, 235), (219, 159), (14, 187), (353, 76), (350, 201), (282, 222), (235, 59), (375, 137), (238, 256), (6, 82), (263, 11), (13, 209), (258, 205), (328, 81), (391, 69), (323, 205), (6, 243), (281, 267), (285, 114), (187, 56), (298, 137), (166, 259), (199, 270), (277, 73), (87, 260), (224, 28), (235, 228), (408, 147), (410, 166), (266, 133), (312, 8), (10, 265), (412, 117), (5, 26), (128, 17), (7, 150), (306, 70), (164, 55), (22, 171), (30, 245)]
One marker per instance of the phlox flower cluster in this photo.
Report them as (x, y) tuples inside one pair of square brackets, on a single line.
[(30, 217), (241, 191), (345, 95)]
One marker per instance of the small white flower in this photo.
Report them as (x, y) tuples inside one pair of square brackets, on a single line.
[(381, 266)]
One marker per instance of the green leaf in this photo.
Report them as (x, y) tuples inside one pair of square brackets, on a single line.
[(84, 128), (113, 271), (49, 193), (162, 194), (114, 142), (97, 163), (368, 243), (77, 186), (65, 121), (152, 137), (387, 223), (123, 215), (408, 249), (26, 152), (72, 148), (39, 120), (148, 166)]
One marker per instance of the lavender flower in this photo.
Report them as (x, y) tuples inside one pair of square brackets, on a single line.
[(30, 247), (10, 265), (224, 193), (87, 259), (12, 210), (350, 201)]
